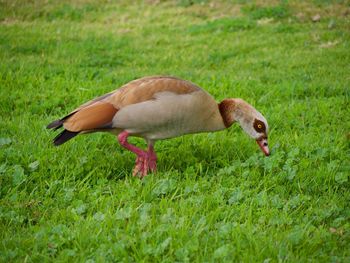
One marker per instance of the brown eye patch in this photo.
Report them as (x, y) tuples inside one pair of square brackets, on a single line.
[(259, 126)]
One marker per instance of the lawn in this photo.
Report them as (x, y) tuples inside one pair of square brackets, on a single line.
[(215, 198)]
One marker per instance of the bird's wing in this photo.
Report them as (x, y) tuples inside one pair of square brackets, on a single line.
[(99, 113), (94, 116)]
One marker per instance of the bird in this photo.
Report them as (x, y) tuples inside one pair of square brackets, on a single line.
[(157, 108)]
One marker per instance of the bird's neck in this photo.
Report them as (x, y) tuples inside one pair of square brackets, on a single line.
[(230, 110)]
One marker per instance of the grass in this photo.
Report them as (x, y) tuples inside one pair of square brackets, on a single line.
[(215, 197)]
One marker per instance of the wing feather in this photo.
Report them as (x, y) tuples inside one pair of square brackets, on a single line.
[(91, 117)]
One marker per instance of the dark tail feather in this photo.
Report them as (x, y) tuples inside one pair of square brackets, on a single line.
[(59, 123), (55, 125), (63, 137)]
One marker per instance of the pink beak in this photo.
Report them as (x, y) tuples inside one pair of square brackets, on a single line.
[(264, 146)]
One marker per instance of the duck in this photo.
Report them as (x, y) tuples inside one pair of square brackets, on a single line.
[(156, 108)]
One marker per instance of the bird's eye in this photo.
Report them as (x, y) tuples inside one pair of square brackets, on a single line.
[(259, 126)]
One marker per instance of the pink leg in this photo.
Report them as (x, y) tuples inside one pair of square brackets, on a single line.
[(152, 159), (145, 160)]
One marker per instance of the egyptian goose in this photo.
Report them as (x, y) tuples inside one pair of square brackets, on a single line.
[(156, 108)]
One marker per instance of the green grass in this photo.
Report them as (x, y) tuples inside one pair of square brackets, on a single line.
[(215, 197)]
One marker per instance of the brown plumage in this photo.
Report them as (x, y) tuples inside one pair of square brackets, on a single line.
[(156, 108)]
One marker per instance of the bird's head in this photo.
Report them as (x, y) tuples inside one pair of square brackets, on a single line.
[(256, 127), (251, 120)]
